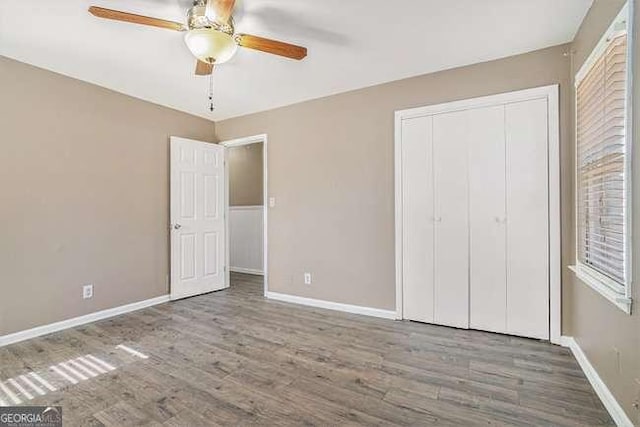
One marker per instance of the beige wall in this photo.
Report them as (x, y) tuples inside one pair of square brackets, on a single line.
[(331, 171), (599, 327), (245, 175), (84, 187)]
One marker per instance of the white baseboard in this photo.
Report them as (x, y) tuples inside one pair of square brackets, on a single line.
[(81, 320), (355, 309), (603, 392), (246, 271)]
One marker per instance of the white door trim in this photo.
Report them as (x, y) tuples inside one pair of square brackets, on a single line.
[(551, 94), (265, 196)]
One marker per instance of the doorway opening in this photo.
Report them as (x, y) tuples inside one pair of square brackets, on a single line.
[(247, 211)]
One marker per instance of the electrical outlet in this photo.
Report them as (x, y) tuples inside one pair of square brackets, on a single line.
[(307, 278), (636, 401), (87, 291), (272, 202)]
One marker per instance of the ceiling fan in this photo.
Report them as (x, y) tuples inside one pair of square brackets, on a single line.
[(210, 33)]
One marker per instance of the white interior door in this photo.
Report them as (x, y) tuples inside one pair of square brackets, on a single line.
[(198, 229), (450, 164), (418, 235), (527, 218), (487, 220)]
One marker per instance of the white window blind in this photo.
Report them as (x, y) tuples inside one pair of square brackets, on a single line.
[(602, 163)]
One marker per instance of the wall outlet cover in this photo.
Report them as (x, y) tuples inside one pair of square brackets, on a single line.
[(307, 278), (87, 291), (636, 402)]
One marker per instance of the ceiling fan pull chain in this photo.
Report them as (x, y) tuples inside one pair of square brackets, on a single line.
[(211, 106)]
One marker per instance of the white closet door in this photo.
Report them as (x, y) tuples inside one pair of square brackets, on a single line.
[(450, 141), (488, 288), (417, 196), (527, 219)]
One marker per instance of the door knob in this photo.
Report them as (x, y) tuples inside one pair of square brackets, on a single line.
[(177, 226)]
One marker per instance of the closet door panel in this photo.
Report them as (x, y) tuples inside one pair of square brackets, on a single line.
[(450, 141), (418, 237), (488, 293), (527, 219)]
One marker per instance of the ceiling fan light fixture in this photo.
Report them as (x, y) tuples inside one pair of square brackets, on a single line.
[(210, 45)]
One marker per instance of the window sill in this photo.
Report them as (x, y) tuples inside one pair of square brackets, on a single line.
[(620, 301)]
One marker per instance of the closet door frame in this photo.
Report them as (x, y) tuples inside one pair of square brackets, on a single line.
[(550, 93)]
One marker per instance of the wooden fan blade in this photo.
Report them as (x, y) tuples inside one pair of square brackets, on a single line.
[(116, 15), (272, 46), (203, 69), (220, 10)]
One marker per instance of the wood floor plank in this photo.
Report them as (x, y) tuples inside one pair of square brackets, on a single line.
[(234, 358)]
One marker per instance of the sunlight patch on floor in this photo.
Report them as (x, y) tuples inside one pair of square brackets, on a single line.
[(25, 387)]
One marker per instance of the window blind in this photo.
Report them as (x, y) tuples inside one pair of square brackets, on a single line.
[(601, 163)]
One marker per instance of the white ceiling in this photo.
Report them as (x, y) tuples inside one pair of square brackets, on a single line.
[(352, 44)]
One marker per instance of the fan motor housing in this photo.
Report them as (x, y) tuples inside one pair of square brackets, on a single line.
[(197, 18)]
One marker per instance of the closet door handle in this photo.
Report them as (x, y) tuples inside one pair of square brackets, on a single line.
[(500, 220), (437, 219)]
